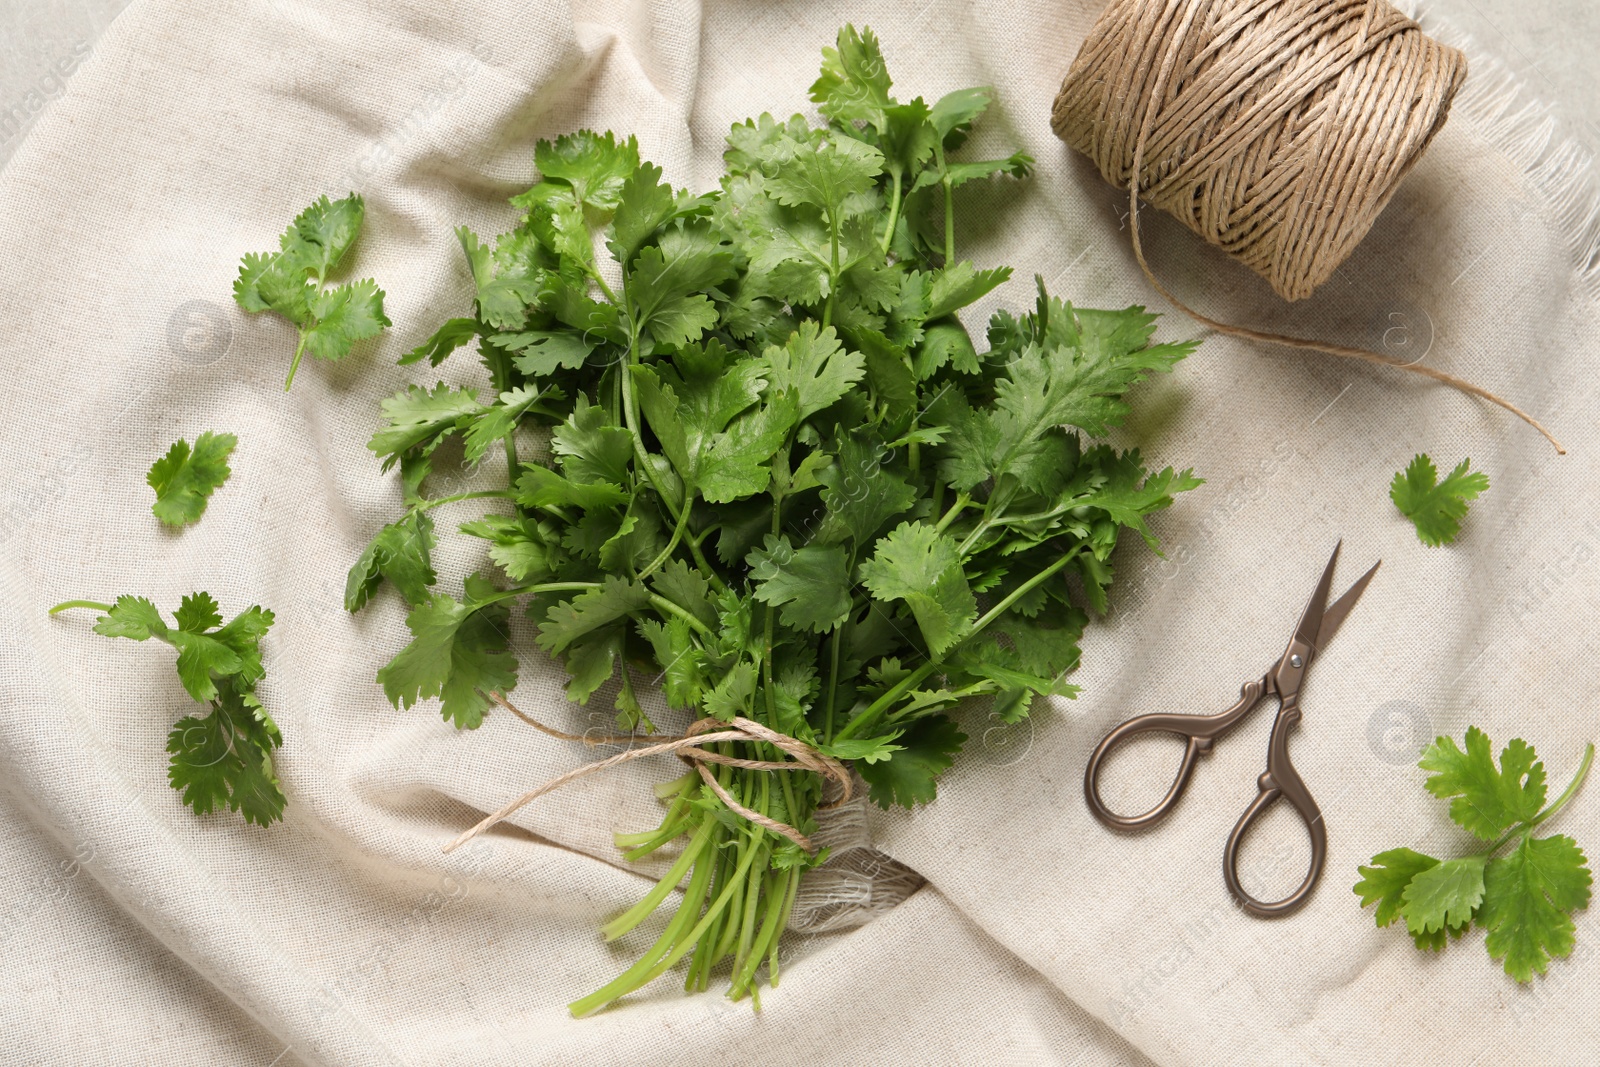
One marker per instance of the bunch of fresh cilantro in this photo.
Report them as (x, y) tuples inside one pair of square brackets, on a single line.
[(760, 462)]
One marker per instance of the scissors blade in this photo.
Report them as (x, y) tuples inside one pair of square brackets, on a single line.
[(1334, 616), (1311, 621)]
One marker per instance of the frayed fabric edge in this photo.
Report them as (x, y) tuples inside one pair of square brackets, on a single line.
[(1520, 125)]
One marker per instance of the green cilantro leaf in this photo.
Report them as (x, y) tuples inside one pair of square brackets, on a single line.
[(1525, 898), (854, 84), (1529, 896), (1436, 508), (445, 340), (1386, 880), (813, 366), (418, 418), (223, 758), (810, 585), (917, 564), (928, 748), (184, 479), (593, 165), (290, 282), (1445, 894), (402, 552), (458, 652), (1487, 800)]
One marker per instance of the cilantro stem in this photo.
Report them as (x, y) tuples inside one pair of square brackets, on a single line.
[(1567, 793), (957, 506), (511, 456), (299, 350), (95, 604), (894, 215), (949, 205), (666, 553), (663, 604), (481, 494), (877, 707), (1550, 809), (833, 684)]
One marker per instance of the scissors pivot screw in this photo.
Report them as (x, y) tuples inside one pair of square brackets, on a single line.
[(1296, 661)]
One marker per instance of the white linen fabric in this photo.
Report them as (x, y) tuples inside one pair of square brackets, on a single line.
[(136, 933)]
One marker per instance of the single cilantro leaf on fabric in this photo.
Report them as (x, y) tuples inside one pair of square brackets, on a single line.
[(908, 778), (1436, 508), (225, 759), (458, 651), (402, 552), (418, 417), (445, 340), (1386, 880), (1444, 894), (921, 566), (1529, 896), (185, 478), (326, 230), (290, 282), (133, 617), (810, 586), (814, 366), (1487, 800)]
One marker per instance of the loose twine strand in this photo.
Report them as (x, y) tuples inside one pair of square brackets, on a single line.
[(1280, 130), (689, 747)]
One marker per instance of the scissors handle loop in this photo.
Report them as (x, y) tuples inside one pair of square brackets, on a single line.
[(1199, 730), (1280, 781)]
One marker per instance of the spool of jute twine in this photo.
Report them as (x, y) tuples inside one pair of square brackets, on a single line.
[(1277, 130)]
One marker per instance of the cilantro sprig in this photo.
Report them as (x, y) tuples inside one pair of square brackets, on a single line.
[(224, 757), (291, 282), (1436, 507), (1524, 898), (760, 463)]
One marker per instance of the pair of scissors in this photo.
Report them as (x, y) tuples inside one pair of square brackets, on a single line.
[(1318, 624)]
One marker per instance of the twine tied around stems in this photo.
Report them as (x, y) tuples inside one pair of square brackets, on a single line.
[(1277, 130), (689, 747)]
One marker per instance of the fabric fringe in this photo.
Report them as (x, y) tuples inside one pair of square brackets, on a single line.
[(1522, 127)]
